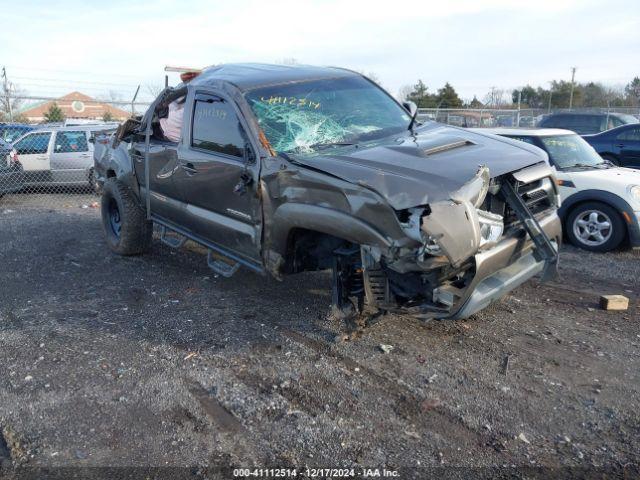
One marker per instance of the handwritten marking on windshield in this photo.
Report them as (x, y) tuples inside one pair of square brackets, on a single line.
[(292, 101)]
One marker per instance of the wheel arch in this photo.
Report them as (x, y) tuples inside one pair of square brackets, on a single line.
[(610, 199), (290, 220)]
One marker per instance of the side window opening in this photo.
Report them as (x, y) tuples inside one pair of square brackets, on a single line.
[(216, 127), (71, 142), (632, 135), (33, 143)]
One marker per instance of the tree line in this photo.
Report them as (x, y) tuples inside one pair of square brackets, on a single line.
[(558, 95)]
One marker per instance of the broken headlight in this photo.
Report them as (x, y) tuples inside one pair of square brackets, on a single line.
[(475, 190), (491, 227)]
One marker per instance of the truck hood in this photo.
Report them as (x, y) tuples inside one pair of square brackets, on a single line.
[(410, 170)]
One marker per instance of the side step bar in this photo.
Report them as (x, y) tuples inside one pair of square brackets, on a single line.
[(544, 249), (171, 241), (219, 259), (218, 265)]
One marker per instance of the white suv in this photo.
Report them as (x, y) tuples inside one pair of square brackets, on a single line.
[(600, 202), (57, 155)]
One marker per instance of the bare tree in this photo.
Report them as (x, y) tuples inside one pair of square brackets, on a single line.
[(404, 92), (153, 89), (495, 98), (10, 100)]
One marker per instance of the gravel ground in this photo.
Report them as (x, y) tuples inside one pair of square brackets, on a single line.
[(155, 361)]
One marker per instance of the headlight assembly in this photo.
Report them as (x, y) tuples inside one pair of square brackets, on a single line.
[(634, 191)]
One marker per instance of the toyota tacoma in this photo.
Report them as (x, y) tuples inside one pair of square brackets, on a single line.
[(286, 169)]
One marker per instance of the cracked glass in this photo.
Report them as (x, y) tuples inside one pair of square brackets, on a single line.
[(308, 116)]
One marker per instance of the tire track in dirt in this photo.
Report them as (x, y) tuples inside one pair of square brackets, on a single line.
[(407, 404), (228, 426)]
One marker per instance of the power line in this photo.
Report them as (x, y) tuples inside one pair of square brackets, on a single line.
[(76, 72), (62, 80)]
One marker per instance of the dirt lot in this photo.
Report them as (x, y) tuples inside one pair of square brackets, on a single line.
[(154, 361)]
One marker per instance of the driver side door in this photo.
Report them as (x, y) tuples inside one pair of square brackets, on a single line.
[(627, 145), (218, 176)]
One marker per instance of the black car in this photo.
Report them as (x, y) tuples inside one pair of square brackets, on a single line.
[(11, 174), (586, 123), (620, 146)]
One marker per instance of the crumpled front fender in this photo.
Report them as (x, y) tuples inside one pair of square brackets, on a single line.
[(454, 225)]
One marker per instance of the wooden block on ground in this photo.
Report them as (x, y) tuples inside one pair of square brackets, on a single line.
[(614, 302)]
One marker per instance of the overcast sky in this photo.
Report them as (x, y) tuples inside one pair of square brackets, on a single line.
[(52, 47)]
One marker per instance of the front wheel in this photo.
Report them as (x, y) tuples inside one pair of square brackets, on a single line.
[(127, 230), (595, 226)]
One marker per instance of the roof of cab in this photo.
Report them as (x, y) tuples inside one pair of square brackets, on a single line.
[(248, 76), (530, 132)]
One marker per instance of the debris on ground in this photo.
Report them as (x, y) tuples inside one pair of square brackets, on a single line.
[(10, 442), (505, 364), (430, 404), (523, 438), (385, 348), (614, 302)]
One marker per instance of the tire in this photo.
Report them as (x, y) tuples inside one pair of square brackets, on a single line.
[(127, 230), (586, 227), (94, 185), (612, 158)]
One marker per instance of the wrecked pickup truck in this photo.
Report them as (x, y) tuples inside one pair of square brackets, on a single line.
[(286, 169)]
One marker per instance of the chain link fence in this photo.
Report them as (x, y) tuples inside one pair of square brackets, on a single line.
[(506, 117), (44, 164), (50, 164)]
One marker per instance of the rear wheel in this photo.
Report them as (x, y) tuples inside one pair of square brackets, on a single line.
[(595, 226), (127, 230)]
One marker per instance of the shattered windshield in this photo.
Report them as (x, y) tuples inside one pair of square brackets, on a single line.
[(571, 151), (306, 117)]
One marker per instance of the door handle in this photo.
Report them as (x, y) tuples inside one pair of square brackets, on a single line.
[(189, 168), (620, 145)]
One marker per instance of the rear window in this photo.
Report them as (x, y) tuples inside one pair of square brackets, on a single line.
[(11, 134), (578, 123)]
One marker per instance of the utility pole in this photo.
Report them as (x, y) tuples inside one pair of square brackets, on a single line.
[(7, 93), (573, 76), (518, 115)]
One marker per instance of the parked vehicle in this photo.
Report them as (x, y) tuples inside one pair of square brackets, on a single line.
[(10, 132), (620, 146), (57, 155), (600, 202), (527, 121), (285, 169), (11, 175), (586, 123)]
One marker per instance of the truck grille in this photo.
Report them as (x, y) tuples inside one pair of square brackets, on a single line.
[(538, 195)]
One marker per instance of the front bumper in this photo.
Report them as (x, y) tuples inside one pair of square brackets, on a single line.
[(503, 268)]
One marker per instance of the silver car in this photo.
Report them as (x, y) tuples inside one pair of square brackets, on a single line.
[(61, 156)]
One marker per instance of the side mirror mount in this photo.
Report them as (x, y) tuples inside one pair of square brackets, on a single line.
[(249, 156), (411, 107)]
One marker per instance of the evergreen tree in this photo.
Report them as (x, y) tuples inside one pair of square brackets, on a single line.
[(54, 114), (448, 97)]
